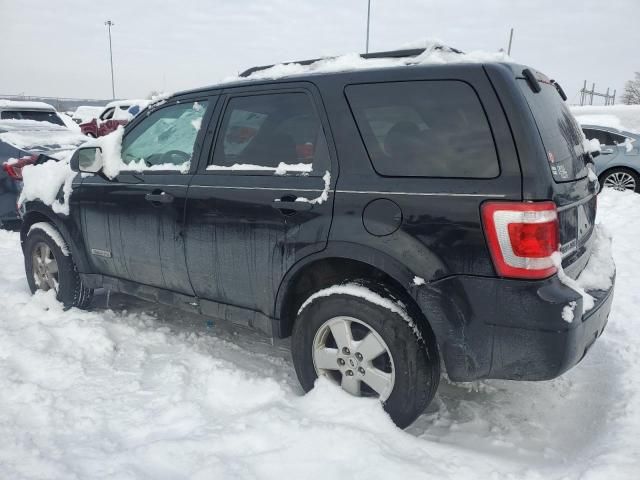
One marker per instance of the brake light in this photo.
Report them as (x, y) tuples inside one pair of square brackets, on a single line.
[(521, 237), (14, 170)]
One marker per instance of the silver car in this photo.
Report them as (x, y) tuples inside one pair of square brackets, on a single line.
[(618, 165)]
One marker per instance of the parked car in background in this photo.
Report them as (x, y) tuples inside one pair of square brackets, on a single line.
[(25, 142), (86, 113), (618, 165), (116, 113), (37, 111), (438, 239)]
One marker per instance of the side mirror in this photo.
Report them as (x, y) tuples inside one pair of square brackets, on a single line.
[(595, 154), (87, 160)]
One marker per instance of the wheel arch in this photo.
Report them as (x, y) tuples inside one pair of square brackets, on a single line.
[(340, 263), (39, 212), (618, 166)]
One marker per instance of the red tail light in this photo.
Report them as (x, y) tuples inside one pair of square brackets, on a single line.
[(14, 170), (521, 237)]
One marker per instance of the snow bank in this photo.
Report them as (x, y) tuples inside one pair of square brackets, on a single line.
[(620, 117), (434, 54)]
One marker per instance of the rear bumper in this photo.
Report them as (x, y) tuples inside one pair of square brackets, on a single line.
[(510, 329), (540, 354)]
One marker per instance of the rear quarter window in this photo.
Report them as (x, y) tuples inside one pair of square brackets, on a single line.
[(434, 128)]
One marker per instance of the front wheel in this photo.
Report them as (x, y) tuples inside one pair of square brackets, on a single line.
[(366, 343), (49, 266)]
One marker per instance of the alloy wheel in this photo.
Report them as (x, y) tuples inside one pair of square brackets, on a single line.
[(354, 356), (44, 267), (620, 181)]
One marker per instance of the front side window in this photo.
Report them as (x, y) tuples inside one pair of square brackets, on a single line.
[(276, 133), (424, 129), (165, 139)]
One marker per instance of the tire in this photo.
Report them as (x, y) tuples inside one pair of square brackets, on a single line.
[(621, 179), (411, 355), (66, 281)]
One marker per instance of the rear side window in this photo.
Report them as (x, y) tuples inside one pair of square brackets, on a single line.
[(272, 133), (424, 129), (37, 115), (605, 138), (560, 133)]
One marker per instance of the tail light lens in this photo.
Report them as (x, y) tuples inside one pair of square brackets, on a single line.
[(522, 237), (14, 170)]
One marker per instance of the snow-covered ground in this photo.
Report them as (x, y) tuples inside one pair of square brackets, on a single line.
[(143, 391)]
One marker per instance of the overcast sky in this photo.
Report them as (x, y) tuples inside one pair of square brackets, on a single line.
[(60, 47)]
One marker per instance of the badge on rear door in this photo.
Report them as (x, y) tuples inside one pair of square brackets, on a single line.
[(101, 253)]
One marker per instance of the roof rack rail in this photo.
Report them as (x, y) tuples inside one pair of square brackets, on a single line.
[(412, 52)]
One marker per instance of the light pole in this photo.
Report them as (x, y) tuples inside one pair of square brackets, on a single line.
[(110, 24), (368, 20)]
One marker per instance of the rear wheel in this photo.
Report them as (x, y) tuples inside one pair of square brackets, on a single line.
[(621, 179), (48, 267), (368, 345)]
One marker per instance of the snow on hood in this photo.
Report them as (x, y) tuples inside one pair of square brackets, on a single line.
[(435, 53), (39, 136)]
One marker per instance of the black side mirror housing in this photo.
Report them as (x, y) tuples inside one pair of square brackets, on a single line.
[(87, 160)]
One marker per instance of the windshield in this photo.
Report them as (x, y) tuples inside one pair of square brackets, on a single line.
[(559, 131), (37, 115)]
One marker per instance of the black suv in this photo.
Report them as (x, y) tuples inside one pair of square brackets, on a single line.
[(389, 220)]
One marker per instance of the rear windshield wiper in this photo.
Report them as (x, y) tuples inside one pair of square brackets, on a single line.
[(560, 90)]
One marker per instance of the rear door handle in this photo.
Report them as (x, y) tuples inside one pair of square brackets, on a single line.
[(288, 205), (161, 198)]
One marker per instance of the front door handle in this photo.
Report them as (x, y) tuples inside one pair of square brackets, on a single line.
[(159, 198)]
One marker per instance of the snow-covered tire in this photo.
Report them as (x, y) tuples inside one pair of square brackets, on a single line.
[(44, 241), (410, 355)]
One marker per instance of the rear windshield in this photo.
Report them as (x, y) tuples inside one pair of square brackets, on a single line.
[(37, 115), (561, 135)]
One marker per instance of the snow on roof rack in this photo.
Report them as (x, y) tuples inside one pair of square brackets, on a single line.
[(405, 53)]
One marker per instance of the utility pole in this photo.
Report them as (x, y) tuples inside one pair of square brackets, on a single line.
[(510, 41), (368, 21), (110, 24)]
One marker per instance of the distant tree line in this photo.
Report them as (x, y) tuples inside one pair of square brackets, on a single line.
[(631, 95)]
